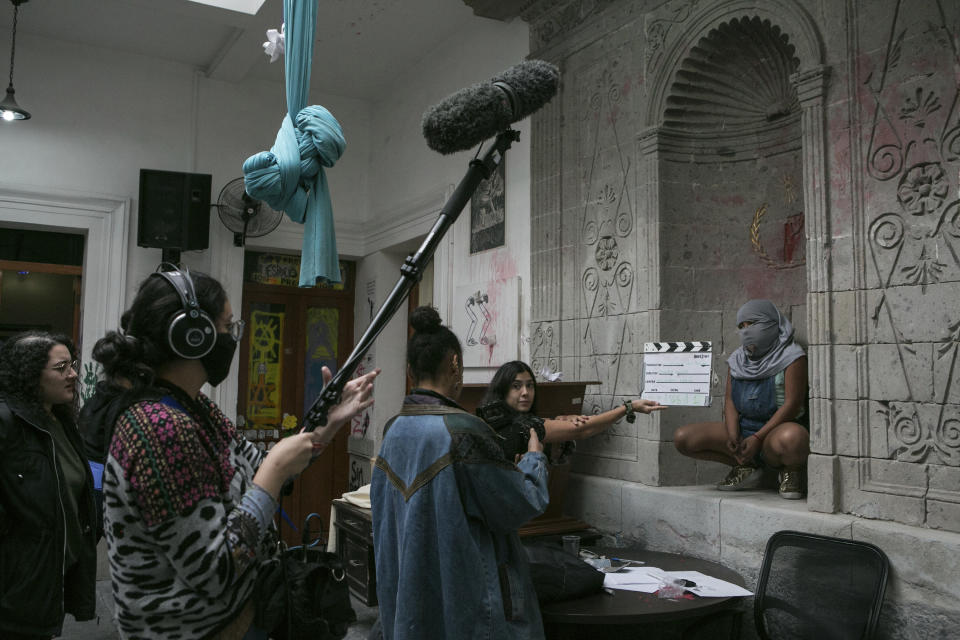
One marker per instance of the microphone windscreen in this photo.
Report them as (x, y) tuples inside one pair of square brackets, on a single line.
[(466, 118), (534, 83)]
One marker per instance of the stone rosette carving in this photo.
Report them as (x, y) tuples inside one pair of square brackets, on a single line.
[(914, 144)]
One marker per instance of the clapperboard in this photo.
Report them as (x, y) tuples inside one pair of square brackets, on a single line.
[(677, 373)]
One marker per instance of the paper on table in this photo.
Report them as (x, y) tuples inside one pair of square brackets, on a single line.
[(645, 579), (648, 580), (707, 586)]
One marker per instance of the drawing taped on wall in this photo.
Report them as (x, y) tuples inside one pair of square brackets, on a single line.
[(486, 318)]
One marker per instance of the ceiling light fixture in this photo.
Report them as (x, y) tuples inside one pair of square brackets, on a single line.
[(9, 109)]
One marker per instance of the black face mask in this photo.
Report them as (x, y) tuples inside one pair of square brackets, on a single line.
[(217, 362)]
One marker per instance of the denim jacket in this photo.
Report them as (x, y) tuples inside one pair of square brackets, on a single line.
[(446, 509)]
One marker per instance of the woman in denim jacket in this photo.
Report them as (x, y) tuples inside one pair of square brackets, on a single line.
[(446, 508), (765, 420)]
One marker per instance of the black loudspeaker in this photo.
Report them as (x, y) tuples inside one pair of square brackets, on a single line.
[(174, 210)]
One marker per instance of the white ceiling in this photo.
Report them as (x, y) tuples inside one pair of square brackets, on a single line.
[(361, 45)]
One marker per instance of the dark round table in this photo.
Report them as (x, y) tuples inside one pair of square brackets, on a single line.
[(625, 612)]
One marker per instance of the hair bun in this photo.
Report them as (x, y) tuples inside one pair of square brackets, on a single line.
[(116, 349), (425, 320)]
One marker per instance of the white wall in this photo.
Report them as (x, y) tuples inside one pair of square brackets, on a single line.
[(409, 183), (407, 172), (100, 116), (377, 274)]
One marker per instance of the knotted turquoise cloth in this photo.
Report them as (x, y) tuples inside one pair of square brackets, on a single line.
[(290, 177)]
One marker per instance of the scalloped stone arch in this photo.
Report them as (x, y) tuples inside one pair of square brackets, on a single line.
[(737, 77), (791, 19)]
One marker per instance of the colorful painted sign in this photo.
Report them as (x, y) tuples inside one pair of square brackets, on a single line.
[(266, 360), (323, 331), (284, 270)]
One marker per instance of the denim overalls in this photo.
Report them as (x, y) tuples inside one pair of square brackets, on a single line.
[(755, 401)]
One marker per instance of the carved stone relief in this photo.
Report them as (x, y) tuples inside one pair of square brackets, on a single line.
[(545, 348), (658, 28), (550, 23), (912, 159), (607, 245)]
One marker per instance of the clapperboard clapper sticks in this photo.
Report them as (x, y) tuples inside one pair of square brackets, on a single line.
[(677, 373)]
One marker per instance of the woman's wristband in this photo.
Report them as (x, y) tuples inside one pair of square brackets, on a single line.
[(757, 436), (630, 415)]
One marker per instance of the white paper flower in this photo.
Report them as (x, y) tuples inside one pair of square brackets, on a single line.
[(275, 44), (550, 376)]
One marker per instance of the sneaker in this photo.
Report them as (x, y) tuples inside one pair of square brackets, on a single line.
[(791, 485), (741, 477)]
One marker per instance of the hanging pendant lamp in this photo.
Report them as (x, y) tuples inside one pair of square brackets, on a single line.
[(9, 109)]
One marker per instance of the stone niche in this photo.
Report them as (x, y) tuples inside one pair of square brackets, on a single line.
[(701, 153), (673, 166), (731, 201)]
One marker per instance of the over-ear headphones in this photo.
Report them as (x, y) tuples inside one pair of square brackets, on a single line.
[(192, 333)]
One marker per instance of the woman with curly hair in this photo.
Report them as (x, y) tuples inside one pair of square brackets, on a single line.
[(48, 551)]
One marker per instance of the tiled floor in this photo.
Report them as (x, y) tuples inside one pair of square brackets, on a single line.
[(104, 629)]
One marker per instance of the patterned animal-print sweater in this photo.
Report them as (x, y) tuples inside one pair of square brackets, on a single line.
[(182, 554)]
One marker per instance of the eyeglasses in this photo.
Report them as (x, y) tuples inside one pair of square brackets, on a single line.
[(61, 367), (235, 329)]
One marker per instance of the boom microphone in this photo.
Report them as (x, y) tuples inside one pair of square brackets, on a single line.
[(468, 117)]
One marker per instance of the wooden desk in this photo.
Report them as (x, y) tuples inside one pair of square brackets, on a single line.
[(633, 614), (553, 398), (354, 528)]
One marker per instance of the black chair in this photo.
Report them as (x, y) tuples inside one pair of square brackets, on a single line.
[(814, 586)]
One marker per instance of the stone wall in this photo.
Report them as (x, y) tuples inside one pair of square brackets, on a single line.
[(691, 143)]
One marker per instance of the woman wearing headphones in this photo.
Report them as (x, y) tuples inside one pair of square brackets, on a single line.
[(188, 501)]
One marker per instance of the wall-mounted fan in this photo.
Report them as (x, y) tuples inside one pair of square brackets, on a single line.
[(244, 215)]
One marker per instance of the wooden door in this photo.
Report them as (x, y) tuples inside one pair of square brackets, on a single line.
[(290, 335)]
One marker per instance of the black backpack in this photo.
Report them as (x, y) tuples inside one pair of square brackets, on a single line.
[(558, 575)]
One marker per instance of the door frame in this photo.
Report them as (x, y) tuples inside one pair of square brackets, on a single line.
[(313, 487), (105, 224), (60, 270)]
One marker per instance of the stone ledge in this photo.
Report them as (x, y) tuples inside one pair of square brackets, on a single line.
[(733, 528)]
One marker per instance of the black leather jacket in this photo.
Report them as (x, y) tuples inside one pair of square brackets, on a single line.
[(34, 592)]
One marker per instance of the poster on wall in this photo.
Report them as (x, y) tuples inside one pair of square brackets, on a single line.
[(359, 471), (266, 368), (283, 270), (488, 212), (486, 318), (360, 425), (322, 337)]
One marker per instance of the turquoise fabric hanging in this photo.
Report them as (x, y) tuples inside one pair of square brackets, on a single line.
[(290, 177)]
